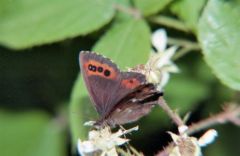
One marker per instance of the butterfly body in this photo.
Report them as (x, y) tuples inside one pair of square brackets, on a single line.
[(119, 97)]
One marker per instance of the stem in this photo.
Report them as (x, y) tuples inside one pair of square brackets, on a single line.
[(174, 116), (230, 114), (181, 53), (187, 46), (169, 22), (183, 43)]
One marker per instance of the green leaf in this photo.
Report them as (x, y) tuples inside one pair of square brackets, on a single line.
[(121, 15), (26, 23), (188, 11), (184, 92), (150, 7), (30, 133), (127, 43), (219, 36), (81, 111)]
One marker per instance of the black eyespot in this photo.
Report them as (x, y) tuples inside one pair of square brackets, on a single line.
[(107, 73), (100, 69), (89, 67), (94, 68)]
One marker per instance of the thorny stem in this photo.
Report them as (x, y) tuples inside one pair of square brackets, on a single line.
[(231, 113), (174, 116)]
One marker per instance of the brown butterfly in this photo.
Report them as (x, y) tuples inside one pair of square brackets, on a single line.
[(119, 97)]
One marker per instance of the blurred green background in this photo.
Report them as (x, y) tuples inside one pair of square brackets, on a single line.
[(43, 102)]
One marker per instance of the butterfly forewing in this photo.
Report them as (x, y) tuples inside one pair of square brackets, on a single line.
[(101, 77)]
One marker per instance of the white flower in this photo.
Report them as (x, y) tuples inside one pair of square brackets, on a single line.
[(160, 65), (208, 137), (103, 141), (186, 145), (159, 39)]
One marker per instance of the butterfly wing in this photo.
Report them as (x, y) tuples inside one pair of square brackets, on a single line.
[(106, 84), (128, 83), (134, 106), (101, 77)]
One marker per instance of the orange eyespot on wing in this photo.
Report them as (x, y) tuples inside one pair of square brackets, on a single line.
[(130, 83), (94, 67)]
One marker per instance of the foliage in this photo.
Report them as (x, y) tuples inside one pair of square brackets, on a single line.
[(40, 84)]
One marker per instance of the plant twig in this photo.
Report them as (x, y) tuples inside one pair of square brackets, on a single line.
[(169, 22), (183, 43), (231, 113), (181, 53), (186, 45), (174, 116)]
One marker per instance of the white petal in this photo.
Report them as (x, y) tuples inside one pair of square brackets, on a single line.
[(207, 137), (174, 137), (164, 80), (85, 147), (112, 152), (171, 51), (93, 134), (166, 57), (171, 68), (89, 123), (154, 77), (120, 141), (79, 147), (117, 134), (159, 40), (182, 129)]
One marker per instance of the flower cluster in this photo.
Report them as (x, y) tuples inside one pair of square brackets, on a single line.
[(160, 65), (103, 141), (190, 146)]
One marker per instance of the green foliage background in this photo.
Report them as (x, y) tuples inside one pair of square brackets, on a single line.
[(43, 102)]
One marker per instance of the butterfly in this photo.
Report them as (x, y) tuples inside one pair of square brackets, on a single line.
[(119, 97)]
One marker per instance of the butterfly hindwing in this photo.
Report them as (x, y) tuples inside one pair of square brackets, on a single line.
[(134, 106)]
